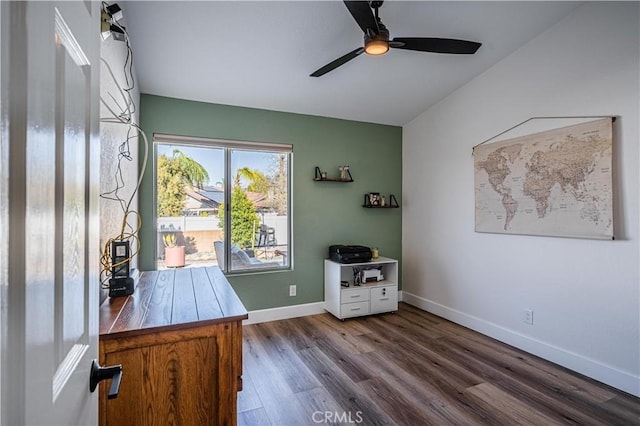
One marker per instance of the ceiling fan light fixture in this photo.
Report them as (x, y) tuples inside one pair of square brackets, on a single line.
[(376, 47)]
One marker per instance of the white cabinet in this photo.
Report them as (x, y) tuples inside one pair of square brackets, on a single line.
[(377, 293)]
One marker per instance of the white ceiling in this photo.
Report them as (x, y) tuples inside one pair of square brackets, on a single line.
[(260, 54)]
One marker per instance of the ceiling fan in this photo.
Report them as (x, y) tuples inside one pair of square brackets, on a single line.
[(376, 38)]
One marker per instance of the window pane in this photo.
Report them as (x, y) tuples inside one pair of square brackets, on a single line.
[(196, 179), (259, 232), (189, 192)]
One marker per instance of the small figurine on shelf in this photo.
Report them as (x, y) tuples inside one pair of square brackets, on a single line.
[(344, 173), (383, 201)]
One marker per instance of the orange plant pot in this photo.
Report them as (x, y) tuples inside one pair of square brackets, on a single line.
[(174, 257)]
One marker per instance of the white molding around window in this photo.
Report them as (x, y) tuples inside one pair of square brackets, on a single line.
[(222, 143)]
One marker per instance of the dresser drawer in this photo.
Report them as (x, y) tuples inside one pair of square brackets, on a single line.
[(354, 309), (355, 295), (384, 299)]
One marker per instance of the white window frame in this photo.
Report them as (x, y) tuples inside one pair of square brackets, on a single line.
[(229, 146)]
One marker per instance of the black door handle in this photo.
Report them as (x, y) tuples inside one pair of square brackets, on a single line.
[(99, 374)]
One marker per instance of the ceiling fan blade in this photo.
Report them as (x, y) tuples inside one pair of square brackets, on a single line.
[(335, 64), (362, 13), (436, 45)]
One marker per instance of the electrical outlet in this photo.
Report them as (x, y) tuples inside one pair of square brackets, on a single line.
[(292, 290), (527, 316)]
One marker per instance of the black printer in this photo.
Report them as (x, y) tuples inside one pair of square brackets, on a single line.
[(349, 254)]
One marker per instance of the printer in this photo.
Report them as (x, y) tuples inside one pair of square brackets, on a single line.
[(349, 254)]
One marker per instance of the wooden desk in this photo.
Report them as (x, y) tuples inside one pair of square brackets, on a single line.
[(179, 340)]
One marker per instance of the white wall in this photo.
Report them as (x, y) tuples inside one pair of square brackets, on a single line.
[(584, 293), (112, 137)]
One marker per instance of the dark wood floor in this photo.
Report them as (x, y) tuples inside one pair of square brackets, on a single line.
[(410, 368)]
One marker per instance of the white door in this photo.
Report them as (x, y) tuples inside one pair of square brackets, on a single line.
[(49, 154)]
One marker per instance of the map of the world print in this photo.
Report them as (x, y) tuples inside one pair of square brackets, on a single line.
[(553, 183)]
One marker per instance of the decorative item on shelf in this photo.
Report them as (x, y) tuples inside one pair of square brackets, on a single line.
[(319, 174), (374, 252), (345, 175), (373, 200)]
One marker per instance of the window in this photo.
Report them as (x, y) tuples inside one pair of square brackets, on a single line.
[(223, 203)]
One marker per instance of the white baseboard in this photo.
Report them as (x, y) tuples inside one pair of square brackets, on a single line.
[(573, 361), (284, 312)]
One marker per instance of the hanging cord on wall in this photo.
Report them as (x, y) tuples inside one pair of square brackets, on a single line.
[(122, 114), (613, 119), (124, 153), (127, 231), (128, 64), (128, 70)]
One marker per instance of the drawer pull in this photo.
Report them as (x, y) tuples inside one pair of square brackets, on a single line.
[(384, 298), (353, 296), (355, 309)]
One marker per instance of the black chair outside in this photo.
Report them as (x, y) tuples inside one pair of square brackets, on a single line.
[(266, 240)]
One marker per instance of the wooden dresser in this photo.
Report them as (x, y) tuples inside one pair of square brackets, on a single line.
[(179, 340)]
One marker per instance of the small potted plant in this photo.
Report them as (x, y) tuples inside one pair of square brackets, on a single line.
[(173, 253)]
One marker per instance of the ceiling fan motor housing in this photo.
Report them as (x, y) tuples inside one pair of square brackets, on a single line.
[(382, 33)]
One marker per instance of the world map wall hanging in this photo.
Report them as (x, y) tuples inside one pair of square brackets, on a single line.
[(552, 183)]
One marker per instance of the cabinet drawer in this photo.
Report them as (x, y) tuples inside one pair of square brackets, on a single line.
[(354, 309), (356, 295), (384, 299)]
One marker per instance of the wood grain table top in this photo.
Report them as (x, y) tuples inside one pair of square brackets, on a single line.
[(172, 299)]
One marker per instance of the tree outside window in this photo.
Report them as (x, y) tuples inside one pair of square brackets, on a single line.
[(175, 172), (244, 220)]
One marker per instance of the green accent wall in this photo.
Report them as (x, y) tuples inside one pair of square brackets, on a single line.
[(324, 213)]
